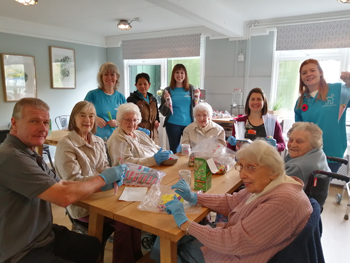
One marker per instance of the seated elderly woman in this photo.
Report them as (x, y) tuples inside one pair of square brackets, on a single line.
[(80, 156), (305, 155), (130, 145), (263, 218), (203, 127)]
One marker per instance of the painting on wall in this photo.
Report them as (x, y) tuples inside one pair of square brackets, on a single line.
[(18, 75), (62, 64)]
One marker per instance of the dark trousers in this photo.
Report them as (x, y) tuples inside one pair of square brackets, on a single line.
[(68, 247), (334, 167), (174, 133)]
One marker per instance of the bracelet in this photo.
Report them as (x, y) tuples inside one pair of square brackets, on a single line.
[(187, 229)]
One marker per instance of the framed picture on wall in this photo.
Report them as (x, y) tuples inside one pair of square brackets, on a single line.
[(62, 65), (18, 76)]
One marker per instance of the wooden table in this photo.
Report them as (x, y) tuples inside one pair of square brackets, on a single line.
[(52, 139), (224, 120), (160, 224)]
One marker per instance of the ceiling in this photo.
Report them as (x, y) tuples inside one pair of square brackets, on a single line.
[(94, 22)]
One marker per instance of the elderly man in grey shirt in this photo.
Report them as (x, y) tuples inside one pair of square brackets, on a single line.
[(27, 186)]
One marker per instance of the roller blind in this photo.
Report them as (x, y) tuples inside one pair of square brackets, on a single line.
[(162, 47), (335, 34)]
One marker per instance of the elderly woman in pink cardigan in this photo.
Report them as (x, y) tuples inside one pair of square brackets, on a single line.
[(262, 219)]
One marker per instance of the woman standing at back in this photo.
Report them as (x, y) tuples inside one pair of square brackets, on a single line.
[(147, 104), (319, 103), (179, 113)]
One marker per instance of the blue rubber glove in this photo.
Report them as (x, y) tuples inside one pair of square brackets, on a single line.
[(170, 152), (272, 141), (161, 156), (176, 208), (112, 175), (232, 140), (144, 130), (184, 190)]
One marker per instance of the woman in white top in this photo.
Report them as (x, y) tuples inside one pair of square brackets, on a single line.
[(203, 127), (80, 156), (130, 145)]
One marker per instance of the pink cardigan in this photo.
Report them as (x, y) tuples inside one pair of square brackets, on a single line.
[(255, 231)]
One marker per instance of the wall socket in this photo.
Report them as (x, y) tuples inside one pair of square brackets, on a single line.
[(240, 57)]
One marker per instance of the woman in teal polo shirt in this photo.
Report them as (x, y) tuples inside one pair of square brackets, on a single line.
[(180, 113), (320, 103)]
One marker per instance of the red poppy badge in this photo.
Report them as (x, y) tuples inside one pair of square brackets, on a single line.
[(304, 107)]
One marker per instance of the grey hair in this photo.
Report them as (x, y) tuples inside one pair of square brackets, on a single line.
[(128, 108), (105, 68), (316, 140), (34, 102), (263, 154), (203, 106)]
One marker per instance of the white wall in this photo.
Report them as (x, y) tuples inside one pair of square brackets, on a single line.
[(224, 73)]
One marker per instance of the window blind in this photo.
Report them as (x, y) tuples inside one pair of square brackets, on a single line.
[(162, 47)]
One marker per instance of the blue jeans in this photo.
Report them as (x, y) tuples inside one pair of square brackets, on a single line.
[(188, 250), (174, 133)]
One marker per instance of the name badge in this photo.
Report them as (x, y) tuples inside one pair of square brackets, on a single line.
[(253, 132)]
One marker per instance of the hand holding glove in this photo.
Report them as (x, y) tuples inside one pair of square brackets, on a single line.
[(144, 130), (176, 208), (184, 190), (232, 140), (272, 141), (112, 175), (161, 156)]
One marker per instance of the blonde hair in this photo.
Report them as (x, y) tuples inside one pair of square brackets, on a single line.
[(107, 67)]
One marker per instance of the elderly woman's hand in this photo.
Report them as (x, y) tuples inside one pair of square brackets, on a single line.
[(176, 208), (161, 156), (100, 122), (184, 190)]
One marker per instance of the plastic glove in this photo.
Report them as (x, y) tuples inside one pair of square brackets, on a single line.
[(170, 152), (113, 174), (161, 156), (272, 141), (176, 208), (184, 190), (144, 130), (232, 140)]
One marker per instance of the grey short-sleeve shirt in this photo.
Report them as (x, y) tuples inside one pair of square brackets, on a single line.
[(25, 220)]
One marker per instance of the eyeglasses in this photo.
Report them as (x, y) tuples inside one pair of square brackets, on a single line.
[(130, 121), (248, 168)]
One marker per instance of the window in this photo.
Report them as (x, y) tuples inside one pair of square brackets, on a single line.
[(286, 72)]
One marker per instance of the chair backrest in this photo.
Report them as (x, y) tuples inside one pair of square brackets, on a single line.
[(306, 247), (62, 122), (3, 135)]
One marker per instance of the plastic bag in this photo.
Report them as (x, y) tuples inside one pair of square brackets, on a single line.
[(152, 201), (223, 157), (139, 175)]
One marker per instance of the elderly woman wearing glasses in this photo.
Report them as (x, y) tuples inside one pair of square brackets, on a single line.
[(263, 218), (305, 155), (203, 127), (130, 145)]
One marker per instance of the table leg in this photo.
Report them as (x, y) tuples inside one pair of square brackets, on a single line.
[(96, 225), (168, 251)]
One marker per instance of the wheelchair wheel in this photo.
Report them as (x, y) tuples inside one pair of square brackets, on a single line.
[(338, 198), (147, 241)]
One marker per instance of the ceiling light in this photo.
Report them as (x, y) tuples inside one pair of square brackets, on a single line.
[(344, 1), (27, 2), (124, 24)]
